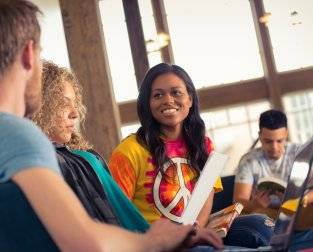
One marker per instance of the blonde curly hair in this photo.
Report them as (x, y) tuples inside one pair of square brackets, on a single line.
[(53, 78)]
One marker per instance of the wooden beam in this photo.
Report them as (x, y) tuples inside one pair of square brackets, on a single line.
[(212, 97), (298, 80), (236, 93), (128, 111), (136, 39), (267, 56), (89, 60), (161, 25)]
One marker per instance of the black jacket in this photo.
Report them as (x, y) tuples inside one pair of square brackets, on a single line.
[(81, 177)]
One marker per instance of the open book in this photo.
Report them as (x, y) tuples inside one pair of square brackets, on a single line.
[(272, 184), (209, 174), (222, 220)]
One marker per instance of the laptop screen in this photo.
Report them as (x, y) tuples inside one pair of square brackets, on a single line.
[(296, 187)]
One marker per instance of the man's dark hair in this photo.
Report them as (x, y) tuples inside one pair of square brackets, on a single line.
[(18, 25), (272, 119)]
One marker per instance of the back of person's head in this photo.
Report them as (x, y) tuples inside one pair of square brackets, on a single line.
[(193, 126), (272, 119), (18, 25), (54, 78)]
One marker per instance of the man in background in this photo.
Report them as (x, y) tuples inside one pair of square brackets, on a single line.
[(273, 159)]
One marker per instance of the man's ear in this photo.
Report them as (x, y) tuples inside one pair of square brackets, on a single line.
[(28, 54)]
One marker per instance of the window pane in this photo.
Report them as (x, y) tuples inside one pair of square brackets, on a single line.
[(53, 41), (256, 109), (237, 114), (233, 141), (214, 41), (291, 33), (129, 129), (149, 29), (215, 119), (299, 109), (233, 130), (118, 49)]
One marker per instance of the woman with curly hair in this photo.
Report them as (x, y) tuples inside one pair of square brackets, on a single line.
[(158, 167), (61, 115)]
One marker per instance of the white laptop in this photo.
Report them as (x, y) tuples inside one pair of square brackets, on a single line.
[(209, 174)]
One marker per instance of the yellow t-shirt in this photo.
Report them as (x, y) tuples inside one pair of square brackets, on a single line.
[(156, 194)]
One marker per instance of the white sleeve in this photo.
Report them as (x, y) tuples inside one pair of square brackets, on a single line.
[(244, 172)]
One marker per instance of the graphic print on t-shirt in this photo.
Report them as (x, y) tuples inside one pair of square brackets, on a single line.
[(172, 188)]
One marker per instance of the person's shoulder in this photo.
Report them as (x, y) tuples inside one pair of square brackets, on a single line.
[(209, 144), (21, 129), (208, 141), (292, 147), (253, 153), (129, 140), (130, 144), (12, 127), (23, 146), (8, 121), (251, 156)]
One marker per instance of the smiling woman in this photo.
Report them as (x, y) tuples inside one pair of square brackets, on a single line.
[(159, 166), (168, 151), (170, 103)]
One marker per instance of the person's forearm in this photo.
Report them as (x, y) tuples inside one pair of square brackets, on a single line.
[(242, 194), (113, 238), (67, 221)]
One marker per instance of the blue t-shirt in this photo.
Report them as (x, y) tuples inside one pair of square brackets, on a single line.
[(23, 145)]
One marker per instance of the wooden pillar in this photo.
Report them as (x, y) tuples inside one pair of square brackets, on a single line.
[(89, 60), (136, 39), (161, 25), (267, 56)]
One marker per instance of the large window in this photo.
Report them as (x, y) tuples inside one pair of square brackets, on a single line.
[(150, 33), (234, 130), (53, 41), (290, 25), (129, 129), (299, 109), (215, 40), (216, 43), (118, 49)]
